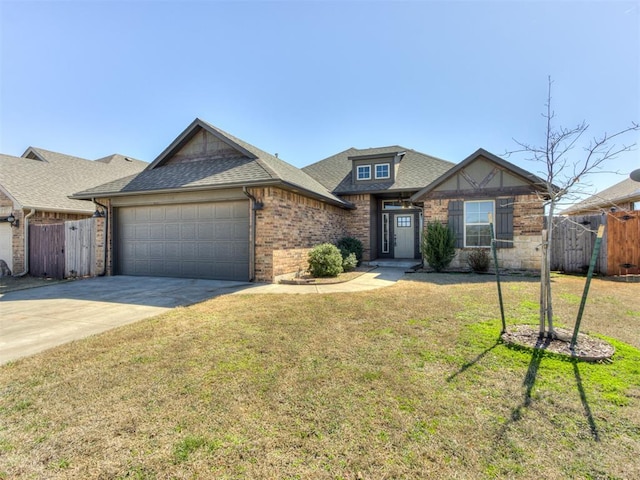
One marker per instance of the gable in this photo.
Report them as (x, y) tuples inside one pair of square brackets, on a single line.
[(203, 146), (482, 174)]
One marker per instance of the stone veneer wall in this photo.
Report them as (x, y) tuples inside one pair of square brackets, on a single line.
[(359, 222), (528, 220), (287, 227)]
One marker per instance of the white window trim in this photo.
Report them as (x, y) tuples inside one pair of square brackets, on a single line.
[(358, 177), (375, 169), (464, 221)]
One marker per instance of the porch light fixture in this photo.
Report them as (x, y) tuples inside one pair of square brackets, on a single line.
[(97, 214), (12, 220)]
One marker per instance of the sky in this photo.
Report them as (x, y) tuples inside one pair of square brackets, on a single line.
[(308, 79)]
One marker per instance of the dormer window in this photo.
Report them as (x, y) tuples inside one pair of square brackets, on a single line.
[(364, 172), (383, 170)]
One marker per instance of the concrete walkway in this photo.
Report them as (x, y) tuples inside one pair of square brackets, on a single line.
[(378, 278), (37, 319)]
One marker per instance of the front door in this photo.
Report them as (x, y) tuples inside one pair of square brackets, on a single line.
[(403, 237)]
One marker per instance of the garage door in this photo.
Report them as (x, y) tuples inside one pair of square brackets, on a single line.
[(199, 240)]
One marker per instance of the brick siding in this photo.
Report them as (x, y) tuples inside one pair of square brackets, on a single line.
[(359, 222), (528, 214), (287, 227)]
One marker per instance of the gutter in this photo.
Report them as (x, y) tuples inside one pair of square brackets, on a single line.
[(25, 225), (256, 205)]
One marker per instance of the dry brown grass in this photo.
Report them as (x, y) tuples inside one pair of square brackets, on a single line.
[(403, 382)]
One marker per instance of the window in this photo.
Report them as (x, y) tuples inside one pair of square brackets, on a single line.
[(393, 205), (364, 172), (385, 233), (477, 232), (403, 221), (382, 170)]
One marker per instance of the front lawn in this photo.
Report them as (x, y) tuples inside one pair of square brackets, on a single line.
[(403, 382)]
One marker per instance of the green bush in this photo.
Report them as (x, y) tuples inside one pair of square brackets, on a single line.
[(349, 262), (438, 245), (349, 245), (479, 260), (325, 260)]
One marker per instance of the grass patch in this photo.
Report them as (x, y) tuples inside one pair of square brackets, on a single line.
[(409, 381)]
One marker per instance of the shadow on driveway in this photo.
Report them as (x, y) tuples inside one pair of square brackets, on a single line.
[(36, 319)]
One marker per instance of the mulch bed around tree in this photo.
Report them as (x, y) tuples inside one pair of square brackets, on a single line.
[(587, 348)]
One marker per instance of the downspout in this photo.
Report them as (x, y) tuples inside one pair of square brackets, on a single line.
[(106, 236), (25, 225), (252, 247)]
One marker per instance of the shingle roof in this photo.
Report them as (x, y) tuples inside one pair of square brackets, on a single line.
[(255, 167), (45, 180), (625, 191), (415, 170)]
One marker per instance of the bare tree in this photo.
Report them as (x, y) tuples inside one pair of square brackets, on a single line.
[(561, 173)]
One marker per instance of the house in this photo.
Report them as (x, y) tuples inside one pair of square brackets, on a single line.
[(623, 196), (482, 187), (214, 206), (380, 183), (35, 190)]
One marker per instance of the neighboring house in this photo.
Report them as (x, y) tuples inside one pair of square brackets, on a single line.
[(623, 196), (213, 206), (35, 189)]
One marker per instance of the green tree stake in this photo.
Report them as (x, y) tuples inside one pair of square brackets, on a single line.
[(495, 263), (592, 266)]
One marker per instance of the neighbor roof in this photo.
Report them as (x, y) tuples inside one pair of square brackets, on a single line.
[(415, 170), (43, 180), (626, 191), (255, 167)]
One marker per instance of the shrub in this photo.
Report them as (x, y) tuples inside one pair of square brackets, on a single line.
[(325, 261), (350, 262), (479, 260), (349, 245), (438, 245)]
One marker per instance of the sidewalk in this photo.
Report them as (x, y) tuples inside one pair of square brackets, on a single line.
[(377, 278)]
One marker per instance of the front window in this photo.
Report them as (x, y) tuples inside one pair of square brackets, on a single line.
[(364, 172), (382, 170), (477, 232)]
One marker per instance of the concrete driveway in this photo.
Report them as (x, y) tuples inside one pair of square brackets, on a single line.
[(36, 319)]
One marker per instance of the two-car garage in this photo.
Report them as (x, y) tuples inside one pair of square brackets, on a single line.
[(191, 240)]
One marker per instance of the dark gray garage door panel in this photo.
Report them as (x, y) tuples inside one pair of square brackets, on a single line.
[(201, 240)]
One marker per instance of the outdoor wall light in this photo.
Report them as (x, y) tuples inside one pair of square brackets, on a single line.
[(12, 220), (97, 214)]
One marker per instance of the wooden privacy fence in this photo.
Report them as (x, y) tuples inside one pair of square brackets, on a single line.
[(46, 250), (574, 239), (63, 250), (623, 246), (79, 248)]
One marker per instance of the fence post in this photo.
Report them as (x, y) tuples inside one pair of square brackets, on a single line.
[(592, 264), (495, 263)]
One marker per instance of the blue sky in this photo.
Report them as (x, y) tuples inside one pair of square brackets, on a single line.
[(310, 79)]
